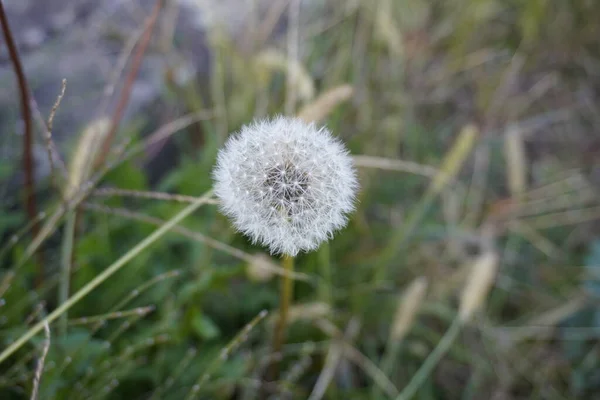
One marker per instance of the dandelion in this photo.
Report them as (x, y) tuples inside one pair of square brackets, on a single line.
[(286, 184)]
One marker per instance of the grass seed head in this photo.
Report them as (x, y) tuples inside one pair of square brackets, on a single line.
[(408, 308), (479, 284)]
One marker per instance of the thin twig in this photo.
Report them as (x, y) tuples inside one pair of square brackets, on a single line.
[(40, 366), (139, 311), (127, 88), (109, 192), (48, 136), (28, 161), (109, 89), (43, 125)]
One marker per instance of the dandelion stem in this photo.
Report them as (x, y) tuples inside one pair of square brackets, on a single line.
[(286, 294), (325, 282)]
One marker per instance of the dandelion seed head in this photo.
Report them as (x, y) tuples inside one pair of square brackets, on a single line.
[(286, 184)]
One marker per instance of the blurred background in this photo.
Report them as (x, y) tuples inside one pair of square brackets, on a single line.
[(475, 129)]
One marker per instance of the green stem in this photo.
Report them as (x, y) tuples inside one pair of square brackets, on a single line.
[(65, 272), (390, 356), (400, 238), (434, 358), (387, 364), (325, 282), (286, 294), (107, 273)]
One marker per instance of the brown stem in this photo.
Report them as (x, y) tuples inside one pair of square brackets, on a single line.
[(127, 87), (28, 162)]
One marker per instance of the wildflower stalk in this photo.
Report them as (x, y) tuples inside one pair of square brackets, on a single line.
[(287, 290)]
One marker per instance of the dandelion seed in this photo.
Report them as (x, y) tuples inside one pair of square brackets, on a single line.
[(299, 192)]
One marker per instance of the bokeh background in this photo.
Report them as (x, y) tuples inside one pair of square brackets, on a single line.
[(475, 127)]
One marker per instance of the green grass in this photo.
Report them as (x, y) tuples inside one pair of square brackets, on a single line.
[(173, 309)]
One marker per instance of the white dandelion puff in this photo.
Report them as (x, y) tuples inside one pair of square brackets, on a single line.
[(286, 184)]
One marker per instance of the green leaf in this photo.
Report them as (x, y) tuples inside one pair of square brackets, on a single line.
[(205, 327)]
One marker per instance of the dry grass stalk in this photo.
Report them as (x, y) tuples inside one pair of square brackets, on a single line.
[(479, 284), (269, 22), (335, 355), (408, 308), (387, 30), (40, 366), (394, 165), (332, 360), (48, 134), (128, 85), (516, 163), (298, 77), (323, 105), (108, 192), (455, 158), (292, 54)]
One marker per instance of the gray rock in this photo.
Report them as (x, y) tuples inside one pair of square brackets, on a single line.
[(81, 40)]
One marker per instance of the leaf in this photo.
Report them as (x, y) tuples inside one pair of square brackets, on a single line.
[(205, 327)]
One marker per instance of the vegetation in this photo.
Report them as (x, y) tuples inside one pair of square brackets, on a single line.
[(468, 271)]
